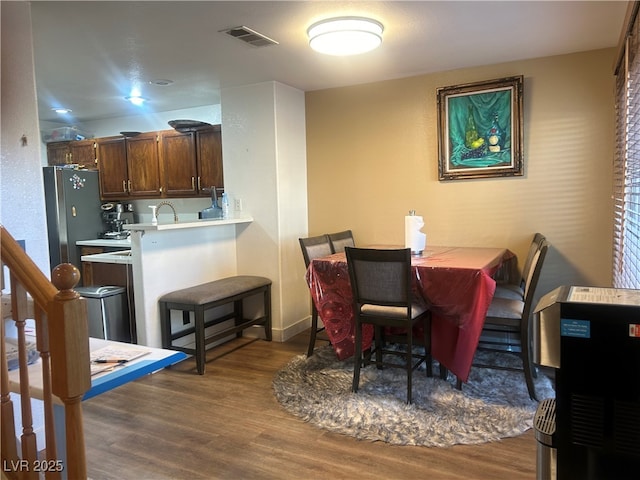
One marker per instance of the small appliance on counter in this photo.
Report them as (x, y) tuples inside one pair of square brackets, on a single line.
[(114, 216)]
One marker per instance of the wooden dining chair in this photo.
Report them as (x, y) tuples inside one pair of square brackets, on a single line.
[(515, 291), (381, 286), (314, 247), (508, 327), (339, 240)]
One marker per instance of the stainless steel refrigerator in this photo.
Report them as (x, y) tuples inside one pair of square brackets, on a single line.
[(72, 200)]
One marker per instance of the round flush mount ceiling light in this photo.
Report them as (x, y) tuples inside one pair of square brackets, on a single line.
[(345, 35)]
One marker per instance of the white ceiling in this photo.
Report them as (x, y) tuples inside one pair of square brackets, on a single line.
[(88, 54)]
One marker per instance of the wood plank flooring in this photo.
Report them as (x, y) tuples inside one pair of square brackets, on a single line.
[(226, 424)]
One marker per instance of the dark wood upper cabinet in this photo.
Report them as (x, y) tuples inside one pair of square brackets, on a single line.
[(209, 159), (129, 167), (81, 152), (111, 155), (143, 164), (178, 157), (149, 165)]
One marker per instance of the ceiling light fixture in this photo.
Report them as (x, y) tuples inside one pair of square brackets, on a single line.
[(136, 100), (61, 110), (345, 35)]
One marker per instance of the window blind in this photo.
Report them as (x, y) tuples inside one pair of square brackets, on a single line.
[(626, 167)]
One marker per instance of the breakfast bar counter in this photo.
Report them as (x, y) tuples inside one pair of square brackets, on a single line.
[(169, 256)]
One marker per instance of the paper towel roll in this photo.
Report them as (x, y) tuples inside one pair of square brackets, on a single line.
[(413, 237)]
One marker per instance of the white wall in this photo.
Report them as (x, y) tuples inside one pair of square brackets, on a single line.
[(265, 165), (22, 210)]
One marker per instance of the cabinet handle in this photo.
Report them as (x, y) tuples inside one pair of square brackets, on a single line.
[(198, 183), (124, 186), (128, 186), (193, 183)]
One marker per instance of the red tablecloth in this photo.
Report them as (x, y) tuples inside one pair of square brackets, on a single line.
[(455, 282)]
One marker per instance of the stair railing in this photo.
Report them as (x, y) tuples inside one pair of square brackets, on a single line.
[(62, 341)]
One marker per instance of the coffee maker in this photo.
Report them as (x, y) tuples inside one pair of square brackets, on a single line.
[(114, 216)]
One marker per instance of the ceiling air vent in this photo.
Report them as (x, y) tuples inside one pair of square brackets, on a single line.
[(250, 36)]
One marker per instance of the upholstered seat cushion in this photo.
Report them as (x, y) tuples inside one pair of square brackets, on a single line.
[(216, 290), (506, 308), (509, 290)]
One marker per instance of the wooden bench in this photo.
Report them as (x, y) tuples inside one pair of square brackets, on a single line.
[(200, 298)]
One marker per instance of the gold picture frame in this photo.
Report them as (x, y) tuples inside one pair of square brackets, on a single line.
[(480, 131)]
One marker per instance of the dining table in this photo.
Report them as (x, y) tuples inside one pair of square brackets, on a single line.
[(456, 283)]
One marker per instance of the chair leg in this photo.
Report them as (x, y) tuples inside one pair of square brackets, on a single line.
[(314, 330), (409, 363), (379, 343), (528, 370), (357, 358), (426, 338)]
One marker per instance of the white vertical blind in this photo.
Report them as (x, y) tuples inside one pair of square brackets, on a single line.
[(626, 234)]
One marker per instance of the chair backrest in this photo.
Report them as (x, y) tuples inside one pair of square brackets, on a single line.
[(534, 247), (340, 240), (531, 282), (380, 276), (315, 247)]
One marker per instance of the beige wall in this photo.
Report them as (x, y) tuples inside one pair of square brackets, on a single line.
[(372, 155)]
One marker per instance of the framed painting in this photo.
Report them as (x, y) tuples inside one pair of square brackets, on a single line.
[(480, 129)]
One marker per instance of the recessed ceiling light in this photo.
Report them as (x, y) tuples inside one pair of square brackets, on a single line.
[(161, 82), (61, 110), (136, 100), (345, 35)]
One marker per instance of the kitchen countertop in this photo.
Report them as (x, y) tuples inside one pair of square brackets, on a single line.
[(122, 257), (105, 242), (187, 224)]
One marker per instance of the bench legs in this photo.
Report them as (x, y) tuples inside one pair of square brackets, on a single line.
[(200, 339), (198, 330)]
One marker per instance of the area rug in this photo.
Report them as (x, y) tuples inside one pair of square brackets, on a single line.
[(494, 404)]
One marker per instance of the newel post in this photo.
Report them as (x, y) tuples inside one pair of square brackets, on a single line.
[(70, 363)]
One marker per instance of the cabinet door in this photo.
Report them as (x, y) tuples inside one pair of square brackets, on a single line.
[(111, 157), (83, 152), (178, 157), (143, 166), (209, 157), (58, 153)]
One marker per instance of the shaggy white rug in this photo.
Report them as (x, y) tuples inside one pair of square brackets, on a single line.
[(494, 404)]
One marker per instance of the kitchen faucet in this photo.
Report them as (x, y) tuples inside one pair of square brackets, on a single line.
[(170, 205)]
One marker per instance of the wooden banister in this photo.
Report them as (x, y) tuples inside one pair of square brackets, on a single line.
[(62, 341)]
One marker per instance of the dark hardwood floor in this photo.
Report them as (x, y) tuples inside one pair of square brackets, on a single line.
[(226, 424)]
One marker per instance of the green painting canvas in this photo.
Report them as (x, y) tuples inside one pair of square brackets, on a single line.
[(479, 132)]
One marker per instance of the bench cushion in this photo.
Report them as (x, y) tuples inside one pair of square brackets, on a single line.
[(216, 290)]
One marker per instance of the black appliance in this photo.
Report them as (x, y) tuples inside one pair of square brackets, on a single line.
[(114, 216), (591, 337)]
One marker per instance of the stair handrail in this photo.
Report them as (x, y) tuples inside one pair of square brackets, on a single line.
[(62, 341)]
